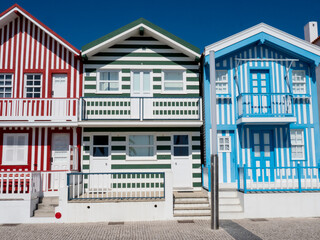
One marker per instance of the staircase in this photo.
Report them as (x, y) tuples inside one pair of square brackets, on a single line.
[(47, 207), (196, 205)]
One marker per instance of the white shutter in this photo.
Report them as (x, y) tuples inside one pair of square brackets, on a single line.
[(15, 149)]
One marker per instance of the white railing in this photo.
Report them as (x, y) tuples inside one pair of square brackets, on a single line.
[(141, 108), (52, 182), (19, 185), (37, 109), (116, 185)]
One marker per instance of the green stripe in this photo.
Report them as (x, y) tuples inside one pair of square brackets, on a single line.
[(156, 70), (118, 157), (197, 184), (196, 165), (89, 86), (193, 87), (86, 148), (86, 157), (151, 46), (85, 166), (141, 39), (161, 157), (141, 166), (106, 95), (147, 129), (125, 86), (192, 70), (126, 70), (161, 138), (118, 148), (163, 148), (157, 79), (196, 175), (196, 156), (120, 62), (196, 138), (196, 148), (125, 78), (118, 139), (192, 79), (173, 95), (90, 78), (156, 87), (86, 139), (132, 54), (90, 70)]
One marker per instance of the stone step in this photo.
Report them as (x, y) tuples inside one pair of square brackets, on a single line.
[(45, 206), (228, 194), (230, 208), (44, 214), (50, 200), (179, 200), (196, 194), (197, 210), (225, 201), (192, 204)]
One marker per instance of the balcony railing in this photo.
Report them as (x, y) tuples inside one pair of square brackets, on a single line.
[(265, 105), (141, 109), (39, 109), (296, 179)]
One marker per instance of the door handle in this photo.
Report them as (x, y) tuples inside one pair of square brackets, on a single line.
[(106, 164)]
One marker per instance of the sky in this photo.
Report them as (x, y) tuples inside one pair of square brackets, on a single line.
[(200, 23)]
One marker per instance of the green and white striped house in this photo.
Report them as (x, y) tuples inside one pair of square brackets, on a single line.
[(141, 109)]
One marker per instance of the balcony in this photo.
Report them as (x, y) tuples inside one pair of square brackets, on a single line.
[(40, 110), (141, 109), (265, 108)]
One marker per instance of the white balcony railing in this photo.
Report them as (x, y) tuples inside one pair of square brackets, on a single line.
[(40, 109), (141, 109)]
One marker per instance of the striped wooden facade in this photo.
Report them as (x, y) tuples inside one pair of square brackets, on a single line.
[(29, 47), (305, 107)]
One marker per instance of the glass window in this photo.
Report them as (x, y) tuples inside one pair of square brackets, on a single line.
[(297, 144), (6, 85), (108, 81), (141, 83), (33, 85), (221, 81), (224, 144), (173, 81), (180, 145), (141, 146), (15, 149), (299, 82), (100, 146)]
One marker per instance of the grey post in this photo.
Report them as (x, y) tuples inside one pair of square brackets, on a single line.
[(214, 154)]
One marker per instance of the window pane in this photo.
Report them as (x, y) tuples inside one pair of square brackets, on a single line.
[(21, 140), (173, 86), (100, 151), (136, 82), (140, 151), (10, 140), (173, 76), (180, 139), (146, 82), (141, 140), (181, 151), (100, 140), (20, 155)]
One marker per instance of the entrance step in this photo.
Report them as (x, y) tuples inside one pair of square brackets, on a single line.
[(230, 206), (47, 207)]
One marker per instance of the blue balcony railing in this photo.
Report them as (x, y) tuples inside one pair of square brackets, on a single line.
[(265, 105), (277, 179)]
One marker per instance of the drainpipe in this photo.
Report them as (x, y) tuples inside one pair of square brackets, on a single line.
[(214, 154)]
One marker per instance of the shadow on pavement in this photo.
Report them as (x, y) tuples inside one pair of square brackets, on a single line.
[(237, 231)]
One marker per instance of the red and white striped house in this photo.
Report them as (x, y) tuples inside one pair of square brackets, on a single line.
[(40, 87)]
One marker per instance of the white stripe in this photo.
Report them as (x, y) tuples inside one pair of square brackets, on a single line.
[(299, 112), (243, 149), (228, 163), (47, 67), (39, 149), (248, 148), (281, 147), (222, 111), (78, 79), (310, 100), (145, 67), (22, 57), (42, 50), (267, 53), (17, 61), (45, 149), (250, 56), (67, 59), (304, 107), (7, 47), (27, 46), (282, 76), (233, 105), (277, 147), (313, 148), (287, 146), (37, 49), (246, 74), (228, 111), (241, 80), (218, 113), (57, 56), (1, 52), (308, 148), (72, 76), (33, 148), (261, 53), (12, 45), (62, 57), (32, 46), (52, 54)]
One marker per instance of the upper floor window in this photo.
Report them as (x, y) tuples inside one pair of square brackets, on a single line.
[(221, 81), (173, 81), (141, 83), (108, 81), (5, 85), (33, 85), (299, 82), (297, 144)]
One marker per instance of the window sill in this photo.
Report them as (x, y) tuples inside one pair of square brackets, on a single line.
[(303, 96), (225, 95)]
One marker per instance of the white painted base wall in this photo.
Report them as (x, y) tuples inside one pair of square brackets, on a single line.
[(281, 205)]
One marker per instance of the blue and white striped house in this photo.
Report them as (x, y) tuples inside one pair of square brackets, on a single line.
[(267, 110)]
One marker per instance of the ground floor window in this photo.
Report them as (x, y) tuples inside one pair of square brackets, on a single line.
[(224, 143), (15, 149), (100, 146), (297, 144), (141, 146)]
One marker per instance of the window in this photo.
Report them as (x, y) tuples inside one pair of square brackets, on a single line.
[(5, 85), (100, 146), (299, 82), (15, 149), (221, 81), (108, 81), (141, 84), (224, 143), (141, 146), (33, 85), (173, 81), (297, 144), (180, 145)]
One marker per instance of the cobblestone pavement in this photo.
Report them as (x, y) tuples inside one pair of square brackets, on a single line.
[(303, 228)]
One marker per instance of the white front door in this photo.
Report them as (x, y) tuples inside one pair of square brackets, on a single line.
[(60, 151), (59, 85), (141, 84), (181, 162)]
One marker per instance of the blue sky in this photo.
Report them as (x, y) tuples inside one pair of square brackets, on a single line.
[(199, 22)]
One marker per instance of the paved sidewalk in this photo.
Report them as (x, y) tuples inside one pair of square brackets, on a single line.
[(302, 228)]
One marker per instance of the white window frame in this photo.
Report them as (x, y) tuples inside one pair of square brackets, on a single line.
[(141, 82), (184, 82), (33, 86), (304, 81), (143, 158), (7, 86), (224, 143), (219, 81), (98, 81), (294, 131), (15, 148)]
